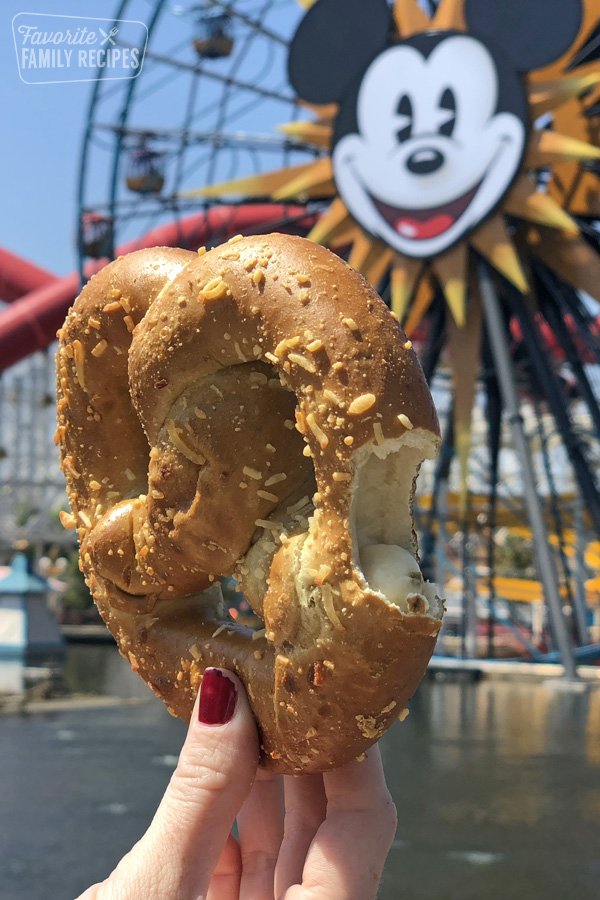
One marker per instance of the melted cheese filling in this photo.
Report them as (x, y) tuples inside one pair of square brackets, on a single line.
[(394, 572), (384, 544)]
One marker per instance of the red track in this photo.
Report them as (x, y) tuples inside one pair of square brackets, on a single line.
[(18, 276), (39, 301), (31, 322)]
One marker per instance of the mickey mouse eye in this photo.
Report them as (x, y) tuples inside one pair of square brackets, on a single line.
[(404, 118), (448, 117)]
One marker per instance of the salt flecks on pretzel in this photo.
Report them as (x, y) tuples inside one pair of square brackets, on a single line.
[(253, 411)]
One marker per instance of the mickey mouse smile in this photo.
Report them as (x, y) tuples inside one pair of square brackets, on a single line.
[(422, 224)]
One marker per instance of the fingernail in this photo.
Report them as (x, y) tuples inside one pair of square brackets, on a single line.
[(218, 696)]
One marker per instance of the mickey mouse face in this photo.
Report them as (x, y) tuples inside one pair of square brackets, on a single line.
[(431, 130), (432, 155)]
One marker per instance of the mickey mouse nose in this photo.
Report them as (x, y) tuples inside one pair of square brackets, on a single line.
[(425, 161)]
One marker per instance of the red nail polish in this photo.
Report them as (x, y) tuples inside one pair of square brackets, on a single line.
[(218, 696)]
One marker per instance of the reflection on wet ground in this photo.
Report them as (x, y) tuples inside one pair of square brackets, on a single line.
[(497, 786)]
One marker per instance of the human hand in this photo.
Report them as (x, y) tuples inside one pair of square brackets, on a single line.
[(311, 837)]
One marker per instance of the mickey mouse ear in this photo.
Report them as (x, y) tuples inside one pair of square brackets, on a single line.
[(533, 32), (334, 43)]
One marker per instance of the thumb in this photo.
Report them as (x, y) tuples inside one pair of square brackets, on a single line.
[(215, 772)]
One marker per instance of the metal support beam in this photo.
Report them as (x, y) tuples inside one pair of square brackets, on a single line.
[(546, 565), (579, 601)]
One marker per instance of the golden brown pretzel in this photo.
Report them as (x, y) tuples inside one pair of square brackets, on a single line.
[(202, 364)]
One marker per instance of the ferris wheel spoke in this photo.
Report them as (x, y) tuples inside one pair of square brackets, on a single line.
[(247, 106), (220, 139), (235, 67), (235, 83), (111, 90), (161, 82), (230, 10)]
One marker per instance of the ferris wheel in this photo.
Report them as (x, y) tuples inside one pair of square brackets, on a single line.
[(205, 108), (212, 139)]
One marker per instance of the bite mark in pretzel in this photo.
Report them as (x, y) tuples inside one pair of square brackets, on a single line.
[(254, 411)]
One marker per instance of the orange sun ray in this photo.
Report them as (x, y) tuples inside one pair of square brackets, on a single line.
[(525, 202), (450, 15), (409, 18), (569, 256), (494, 244), (581, 196)]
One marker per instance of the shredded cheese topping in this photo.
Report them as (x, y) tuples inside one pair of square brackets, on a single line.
[(361, 404)]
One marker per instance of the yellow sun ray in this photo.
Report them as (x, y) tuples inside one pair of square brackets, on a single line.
[(326, 111), (336, 219), (544, 98), (422, 302), (409, 18), (574, 188), (493, 242), (316, 133), (360, 250), (546, 147), (450, 15), (451, 271), (464, 349), (345, 237), (260, 185), (569, 256), (316, 180), (405, 273), (377, 262), (525, 202)]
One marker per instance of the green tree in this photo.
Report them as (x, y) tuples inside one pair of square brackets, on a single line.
[(76, 595), (515, 557)]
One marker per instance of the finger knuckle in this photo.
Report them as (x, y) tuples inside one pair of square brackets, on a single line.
[(198, 776), (257, 861)]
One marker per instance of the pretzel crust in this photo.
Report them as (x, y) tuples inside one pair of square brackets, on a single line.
[(180, 376)]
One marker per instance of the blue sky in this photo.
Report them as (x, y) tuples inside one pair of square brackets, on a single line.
[(44, 124)]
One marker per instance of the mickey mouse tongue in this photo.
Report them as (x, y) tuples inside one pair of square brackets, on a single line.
[(420, 231), (421, 224)]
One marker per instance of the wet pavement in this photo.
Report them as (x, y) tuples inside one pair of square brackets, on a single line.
[(497, 786)]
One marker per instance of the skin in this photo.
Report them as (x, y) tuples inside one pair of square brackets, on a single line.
[(300, 838)]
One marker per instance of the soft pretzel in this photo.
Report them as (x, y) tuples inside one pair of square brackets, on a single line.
[(254, 410)]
